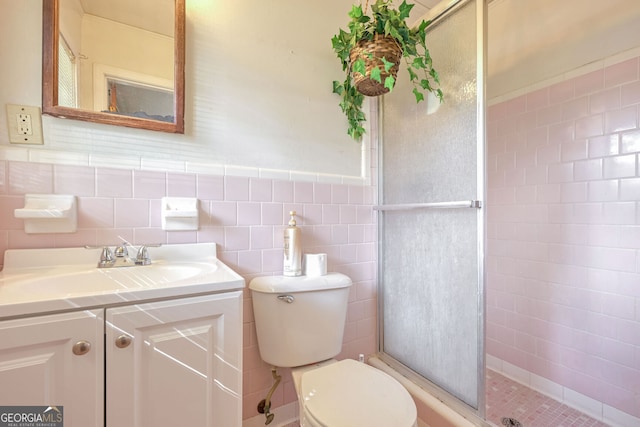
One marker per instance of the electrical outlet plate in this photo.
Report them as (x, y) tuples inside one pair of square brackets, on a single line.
[(24, 124)]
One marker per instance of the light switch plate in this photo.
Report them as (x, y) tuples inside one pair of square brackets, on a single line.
[(24, 124)]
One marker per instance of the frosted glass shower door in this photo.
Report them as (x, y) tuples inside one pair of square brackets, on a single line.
[(431, 216)]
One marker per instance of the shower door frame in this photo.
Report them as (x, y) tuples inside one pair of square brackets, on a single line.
[(477, 416)]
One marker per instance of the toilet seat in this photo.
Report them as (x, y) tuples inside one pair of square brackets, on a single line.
[(349, 393)]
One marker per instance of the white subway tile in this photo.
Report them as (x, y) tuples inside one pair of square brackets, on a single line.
[(587, 170), (603, 191), (619, 213), (573, 192), (574, 150), (621, 120), (630, 189), (561, 172), (630, 142), (589, 127), (575, 108), (548, 154), (603, 146), (550, 115), (605, 100), (536, 175), (620, 166)]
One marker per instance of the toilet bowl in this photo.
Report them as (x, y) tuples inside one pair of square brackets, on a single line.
[(347, 393), (300, 325)]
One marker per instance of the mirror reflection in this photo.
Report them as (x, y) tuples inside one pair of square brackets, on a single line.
[(117, 62)]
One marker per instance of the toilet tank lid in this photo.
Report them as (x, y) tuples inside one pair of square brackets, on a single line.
[(279, 284)]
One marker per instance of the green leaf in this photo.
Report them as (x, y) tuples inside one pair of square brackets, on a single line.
[(412, 75), (389, 82), (387, 64), (393, 31), (418, 94), (404, 35), (418, 62), (376, 74), (356, 132), (409, 50), (434, 75), (405, 9), (356, 12), (338, 87), (359, 66), (425, 84)]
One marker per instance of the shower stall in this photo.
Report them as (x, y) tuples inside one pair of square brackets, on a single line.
[(432, 219)]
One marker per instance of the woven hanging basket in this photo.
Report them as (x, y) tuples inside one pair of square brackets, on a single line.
[(372, 52)]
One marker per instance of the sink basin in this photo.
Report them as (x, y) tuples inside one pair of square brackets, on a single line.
[(59, 279), (158, 274), (68, 281), (65, 283)]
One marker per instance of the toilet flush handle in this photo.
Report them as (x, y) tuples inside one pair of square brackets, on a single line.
[(286, 298)]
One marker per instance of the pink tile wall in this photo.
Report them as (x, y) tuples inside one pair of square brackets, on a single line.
[(244, 216), (564, 234)]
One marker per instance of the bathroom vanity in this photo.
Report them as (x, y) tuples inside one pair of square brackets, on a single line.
[(154, 345)]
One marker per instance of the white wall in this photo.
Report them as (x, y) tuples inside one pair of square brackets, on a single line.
[(531, 41), (259, 80), (258, 93)]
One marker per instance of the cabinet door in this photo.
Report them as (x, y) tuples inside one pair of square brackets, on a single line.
[(175, 363), (38, 365)]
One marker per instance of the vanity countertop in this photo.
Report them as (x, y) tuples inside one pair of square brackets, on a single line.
[(40, 281)]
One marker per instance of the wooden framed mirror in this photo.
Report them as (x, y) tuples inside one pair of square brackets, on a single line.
[(87, 75)]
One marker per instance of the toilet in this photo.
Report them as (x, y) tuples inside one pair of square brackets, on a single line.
[(300, 324)]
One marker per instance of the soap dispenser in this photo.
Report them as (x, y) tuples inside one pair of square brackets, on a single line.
[(292, 250)]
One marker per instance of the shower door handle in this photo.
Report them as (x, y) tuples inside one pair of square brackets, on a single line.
[(475, 204)]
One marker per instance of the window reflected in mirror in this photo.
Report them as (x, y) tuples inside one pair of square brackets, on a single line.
[(139, 100), (67, 75)]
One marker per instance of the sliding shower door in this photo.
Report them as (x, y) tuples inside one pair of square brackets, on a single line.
[(431, 216)]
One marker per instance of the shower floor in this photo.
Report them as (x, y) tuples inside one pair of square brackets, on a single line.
[(509, 399)]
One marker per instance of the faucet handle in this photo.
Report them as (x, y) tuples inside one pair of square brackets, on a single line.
[(106, 258), (143, 258), (121, 251)]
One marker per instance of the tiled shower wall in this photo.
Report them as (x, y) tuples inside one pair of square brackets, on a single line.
[(245, 216), (564, 234)]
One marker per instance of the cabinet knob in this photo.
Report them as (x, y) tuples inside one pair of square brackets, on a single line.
[(123, 341), (81, 347)]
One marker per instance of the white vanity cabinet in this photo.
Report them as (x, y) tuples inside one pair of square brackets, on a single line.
[(175, 363), (56, 360), (165, 338)]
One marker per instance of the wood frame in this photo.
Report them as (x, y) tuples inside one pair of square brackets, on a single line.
[(50, 34)]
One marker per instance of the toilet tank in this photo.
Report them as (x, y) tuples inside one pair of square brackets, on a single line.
[(300, 320)]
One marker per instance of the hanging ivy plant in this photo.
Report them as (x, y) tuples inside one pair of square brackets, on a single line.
[(370, 53)]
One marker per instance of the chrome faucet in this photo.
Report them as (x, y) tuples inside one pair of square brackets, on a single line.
[(106, 258), (143, 258), (119, 257)]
